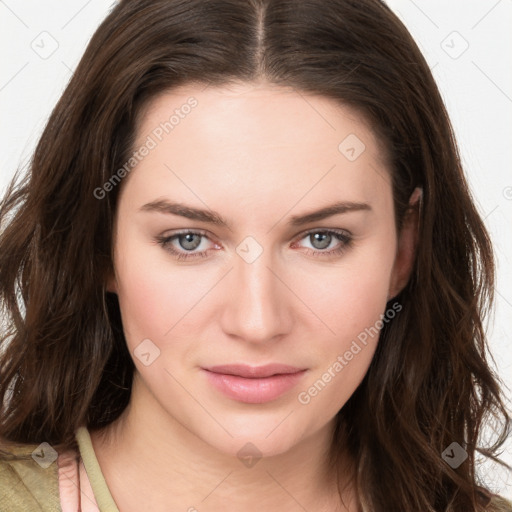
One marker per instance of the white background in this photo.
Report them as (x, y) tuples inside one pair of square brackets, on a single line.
[(468, 44)]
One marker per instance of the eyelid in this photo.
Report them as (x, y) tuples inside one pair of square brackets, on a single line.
[(200, 232), (337, 231)]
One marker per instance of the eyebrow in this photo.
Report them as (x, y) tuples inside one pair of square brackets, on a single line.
[(212, 217)]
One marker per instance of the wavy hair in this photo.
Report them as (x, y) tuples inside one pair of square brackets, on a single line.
[(63, 355)]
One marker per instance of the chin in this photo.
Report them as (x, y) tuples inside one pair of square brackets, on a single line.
[(258, 436)]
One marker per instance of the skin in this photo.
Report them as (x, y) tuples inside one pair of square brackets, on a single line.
[(257, 155)]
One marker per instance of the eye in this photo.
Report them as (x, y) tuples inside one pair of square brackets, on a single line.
[(323, 239), (187, 241)]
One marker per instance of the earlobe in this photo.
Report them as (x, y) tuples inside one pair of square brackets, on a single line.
[(407, 243)]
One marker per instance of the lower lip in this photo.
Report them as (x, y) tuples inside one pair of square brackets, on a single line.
[(254, 391)]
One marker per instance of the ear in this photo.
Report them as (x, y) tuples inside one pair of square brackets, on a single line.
[(407, 243)]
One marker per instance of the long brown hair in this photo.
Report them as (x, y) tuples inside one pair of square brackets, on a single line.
[(64, 360)]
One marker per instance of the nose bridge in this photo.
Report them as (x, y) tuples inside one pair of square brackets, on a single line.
[(256, 309)]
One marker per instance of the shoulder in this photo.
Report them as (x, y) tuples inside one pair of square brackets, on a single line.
[(28, 479), (499, 504)]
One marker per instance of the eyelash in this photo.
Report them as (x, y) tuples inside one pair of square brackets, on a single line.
[(342, 236)]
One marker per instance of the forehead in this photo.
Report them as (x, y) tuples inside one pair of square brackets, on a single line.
[(257, 112), (245, 138)]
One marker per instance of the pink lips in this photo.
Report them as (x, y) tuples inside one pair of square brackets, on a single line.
[(254, 385)]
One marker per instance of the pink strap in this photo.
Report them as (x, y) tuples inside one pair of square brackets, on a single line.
[(76, 494)]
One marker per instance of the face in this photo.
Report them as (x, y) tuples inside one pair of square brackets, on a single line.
[(220, 259)]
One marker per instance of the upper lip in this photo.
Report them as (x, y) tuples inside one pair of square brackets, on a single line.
[(243, 370)]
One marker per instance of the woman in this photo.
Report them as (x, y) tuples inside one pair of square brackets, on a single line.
[(246, 272)]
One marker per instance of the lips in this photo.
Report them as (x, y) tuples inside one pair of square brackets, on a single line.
[(254, 384), (254, 372)]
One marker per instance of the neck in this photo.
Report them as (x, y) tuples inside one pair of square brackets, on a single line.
[(152, 462)]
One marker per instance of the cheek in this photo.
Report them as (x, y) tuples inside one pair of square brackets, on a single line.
[(354, 311), (350, 301), (153, 296), (349, 295)]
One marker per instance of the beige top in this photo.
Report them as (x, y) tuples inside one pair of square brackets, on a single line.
[(75, 483), (82, 486)]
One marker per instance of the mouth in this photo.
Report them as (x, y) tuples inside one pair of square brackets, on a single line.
[(254, 372), (254, 384)]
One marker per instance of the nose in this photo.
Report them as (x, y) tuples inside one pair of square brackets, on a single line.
[(258, 305)]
